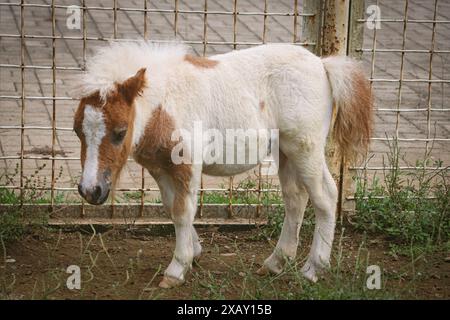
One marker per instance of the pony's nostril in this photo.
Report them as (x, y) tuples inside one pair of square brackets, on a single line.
[(97, 192)]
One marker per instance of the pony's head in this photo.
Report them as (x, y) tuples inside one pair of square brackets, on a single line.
[(104, 125)]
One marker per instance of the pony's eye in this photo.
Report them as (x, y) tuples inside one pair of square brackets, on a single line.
[(118, 135)]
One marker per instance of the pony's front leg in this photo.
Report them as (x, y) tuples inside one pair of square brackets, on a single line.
[(179, 196)]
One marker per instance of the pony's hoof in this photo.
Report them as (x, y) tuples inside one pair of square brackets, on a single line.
[(264, 271), (309, 272), (170, 282)]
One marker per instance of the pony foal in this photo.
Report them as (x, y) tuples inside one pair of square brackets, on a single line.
[(134, 96)]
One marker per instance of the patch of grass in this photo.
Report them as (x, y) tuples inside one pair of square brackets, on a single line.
[(110, 271), (14, 222), (131, 196), (102, 275), (409, 207), (345, 280), (35, 188), (8, 196), (275, 219), (242, 195), (11, 226)]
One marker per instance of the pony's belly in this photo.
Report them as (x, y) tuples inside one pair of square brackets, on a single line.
[(225, 170)]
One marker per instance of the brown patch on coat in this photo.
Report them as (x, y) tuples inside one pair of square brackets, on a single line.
[(154, 153), (262, 105), (200, 62), (354, 119), (118, 113)]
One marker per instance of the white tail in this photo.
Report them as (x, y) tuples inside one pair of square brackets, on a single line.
[(353, 102)]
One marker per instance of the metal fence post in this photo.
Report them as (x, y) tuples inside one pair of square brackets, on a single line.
[(335, 27), (334, 42), (311, 25), (354, 44), (355, 28)]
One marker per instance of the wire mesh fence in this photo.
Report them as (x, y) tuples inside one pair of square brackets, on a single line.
[(405, 52), (42, 55), (44, 46)]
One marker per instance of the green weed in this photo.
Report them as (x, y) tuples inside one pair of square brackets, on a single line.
[(410, 207)]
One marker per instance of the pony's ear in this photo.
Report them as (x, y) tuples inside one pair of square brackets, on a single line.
[(132, 87)]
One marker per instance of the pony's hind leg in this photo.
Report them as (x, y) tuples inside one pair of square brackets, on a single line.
[(295, 198), (323, 194)]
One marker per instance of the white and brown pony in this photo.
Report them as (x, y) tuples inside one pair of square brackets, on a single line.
[(135, 95)]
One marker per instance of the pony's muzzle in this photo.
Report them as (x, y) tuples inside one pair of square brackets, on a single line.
[(96, 194)]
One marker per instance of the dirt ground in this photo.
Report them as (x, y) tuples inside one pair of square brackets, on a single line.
[(121, 264)]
